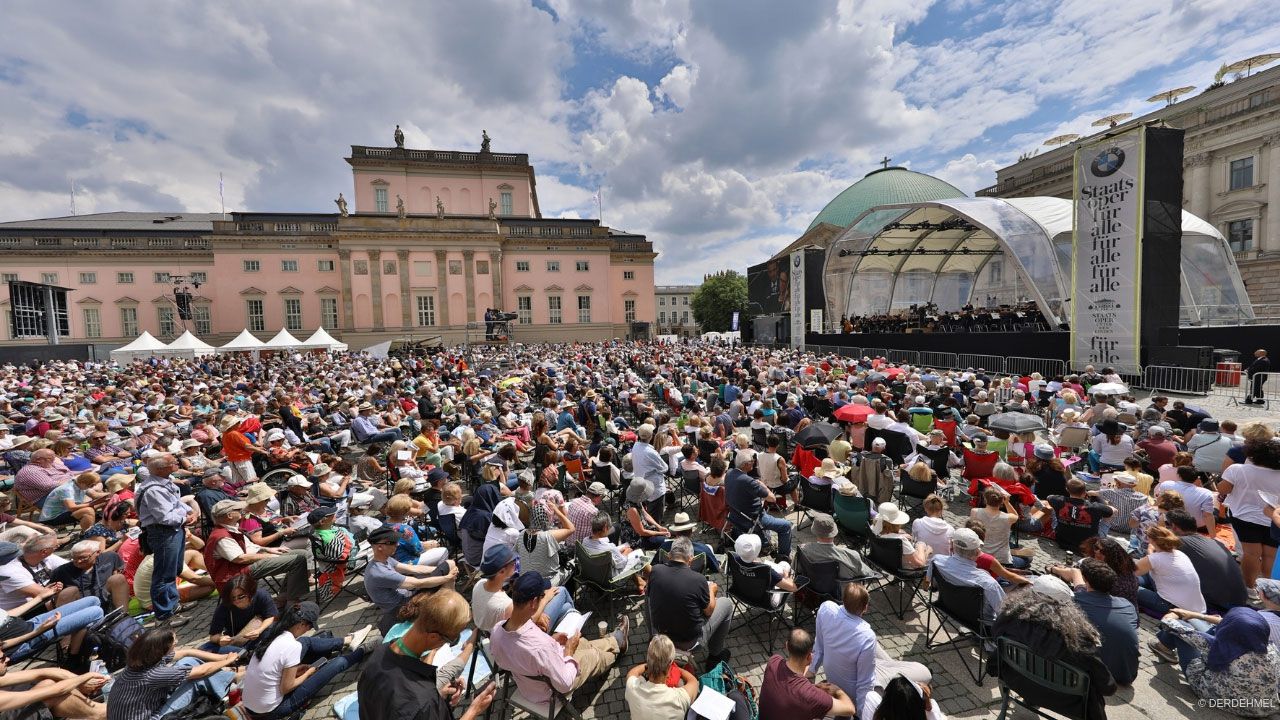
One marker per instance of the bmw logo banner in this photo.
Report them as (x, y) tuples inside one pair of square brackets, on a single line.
[(1106, 278)]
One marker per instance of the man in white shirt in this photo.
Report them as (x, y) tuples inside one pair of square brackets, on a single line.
[(234, 547), (648, 464), (490, 603)]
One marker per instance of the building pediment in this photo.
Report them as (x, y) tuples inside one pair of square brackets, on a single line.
[(631, 293), (584, 288), (290, 290), (523, 288), (328, 290), (1237, 206), (252, 291), (379, 181), (554, 289), (88, 301), (126, 300)]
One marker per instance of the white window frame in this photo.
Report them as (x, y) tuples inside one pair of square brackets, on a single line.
[(380, 202), (49, 278), (582, 266), (425, 305), (165, 321), (522, 266), (629, 310), (292, 313), (255, 314), (252, 265), (505, 204), (553, 266), (1253, 229), (92, 322), (200, 276), (1253, 167), (325, 266), (128, 321), (289, 266), (524, 309), (628, 274), (202, 316), (555, 310), (584, 309), (88, 278), (124, 278), (161, 278), (329, 313)]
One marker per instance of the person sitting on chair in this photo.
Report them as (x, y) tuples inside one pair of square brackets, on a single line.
[(624, 558), (390, 583), (889, 522), (684, 604), (530, 653), (747, 549), (850, 565), (683, 526), (786, 692), (227, 552), (961, 568), (649, 693), (746, 497)]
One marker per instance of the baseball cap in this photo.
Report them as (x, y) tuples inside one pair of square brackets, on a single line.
[(1052, 587), (384, 534), (222, 507), (965, 539), (1267, 588), (496, 558), (437, 475), (307, 612), (9, 551), (298, 481), (528, 586), (315, 516), (597, 489)]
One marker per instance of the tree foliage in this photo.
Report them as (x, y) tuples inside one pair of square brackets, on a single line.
[(717, 299)]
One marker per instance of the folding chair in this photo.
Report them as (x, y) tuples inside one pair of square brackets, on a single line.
[(1074, 438), (958, 609), (910, 489), (328, 587), (759, 438), (698, 563), (813, 499), (751, 590), (1035, 682), (713, 511), (594, 576), (853, 515), (691, 487), (512, 699), (948, 428), (886, 554)]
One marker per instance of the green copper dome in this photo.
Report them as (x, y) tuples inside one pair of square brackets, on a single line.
[(885, 186)]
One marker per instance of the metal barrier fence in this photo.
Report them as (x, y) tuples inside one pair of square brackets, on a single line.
[(899, 357), (1205, 382), (1025, 366), (939, 360), (990, 363), (875, 352), (1263, 389)]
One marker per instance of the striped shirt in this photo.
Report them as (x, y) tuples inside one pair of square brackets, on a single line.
[(139, 694)]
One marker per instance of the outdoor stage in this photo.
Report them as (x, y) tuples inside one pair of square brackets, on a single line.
[(1054, 345)]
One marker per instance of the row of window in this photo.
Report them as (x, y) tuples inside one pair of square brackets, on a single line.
[(122, 278), (382, 202), (580, 266), (662, 300), (675, 317), (202, 322)]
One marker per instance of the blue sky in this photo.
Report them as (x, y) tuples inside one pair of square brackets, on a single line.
[(717, 127)]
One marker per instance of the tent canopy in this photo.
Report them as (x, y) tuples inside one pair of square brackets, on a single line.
[(1002, 250), (244, 342), (145, 345), (282, 341), (322, 339), (187, 345)]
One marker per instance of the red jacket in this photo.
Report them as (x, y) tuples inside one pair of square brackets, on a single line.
[(219, 569)]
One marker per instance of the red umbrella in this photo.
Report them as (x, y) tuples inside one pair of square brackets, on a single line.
[(893, 371), (853, 413)]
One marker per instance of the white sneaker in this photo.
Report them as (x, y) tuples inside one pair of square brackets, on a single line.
[(357, 637)]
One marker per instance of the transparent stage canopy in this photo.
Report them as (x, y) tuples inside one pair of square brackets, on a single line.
[(994, 251)]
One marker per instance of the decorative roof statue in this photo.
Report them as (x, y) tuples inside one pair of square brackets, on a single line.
[(399, 137), (493, 209), (342, 205), (439, 208), (484, 141), (400, 211)]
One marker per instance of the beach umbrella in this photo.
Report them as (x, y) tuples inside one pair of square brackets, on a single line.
[(1015, 422), (1108, 388), (818, 434), (853, 413)]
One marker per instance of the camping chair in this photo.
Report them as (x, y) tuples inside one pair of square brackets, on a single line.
[(698, 563), (448, 524), (958, 609), (759, 438), (999, 447), (332, 578), (713, 511), (595, 577), (978, 465), (512, 699), (886, 554), (813, 498), (922, 422), (1074, 438), (910, 489), (751, 590), (853, 515), (574, 470), (690, 486), (948, 428), (1036, 682), (824, 582), (896, 444)]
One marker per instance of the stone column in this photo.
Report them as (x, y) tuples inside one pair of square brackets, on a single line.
[(348, 309), (375, 282), (405, 299), (1200, 187), (495, 274), (1271, 236), (469, 274), (442, 288)]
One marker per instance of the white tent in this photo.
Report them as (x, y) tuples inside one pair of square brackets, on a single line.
[(187, 345), (244, 342), (322, 339), (282, 341), (144, 346)]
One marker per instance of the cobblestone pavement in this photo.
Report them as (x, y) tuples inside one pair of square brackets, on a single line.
[(1157, 693)]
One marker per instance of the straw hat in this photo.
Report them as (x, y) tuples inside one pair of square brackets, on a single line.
[(830, 469), (228, 422), (257, 492)]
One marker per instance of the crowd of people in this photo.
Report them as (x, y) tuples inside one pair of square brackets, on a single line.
[(1020, 317), (461, 490)]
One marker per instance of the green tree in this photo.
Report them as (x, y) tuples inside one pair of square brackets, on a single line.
[(717, 299)]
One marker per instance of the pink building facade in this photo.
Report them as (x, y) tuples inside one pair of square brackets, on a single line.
[(373, 274)]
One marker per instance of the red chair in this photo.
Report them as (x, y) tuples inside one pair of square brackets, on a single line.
[(948, 428), (713, 509), (979, 465)]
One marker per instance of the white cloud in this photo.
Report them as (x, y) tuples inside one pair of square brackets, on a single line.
[(969, 173)]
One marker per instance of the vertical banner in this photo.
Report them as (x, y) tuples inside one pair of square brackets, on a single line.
[(797, 299), (1106, 313), (734, 326)]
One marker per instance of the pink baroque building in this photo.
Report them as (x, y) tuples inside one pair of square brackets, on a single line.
[(428, 241)]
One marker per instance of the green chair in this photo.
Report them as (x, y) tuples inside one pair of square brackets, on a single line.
[(853, 515), (1036, 682), (595, 577), (922, 422)]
